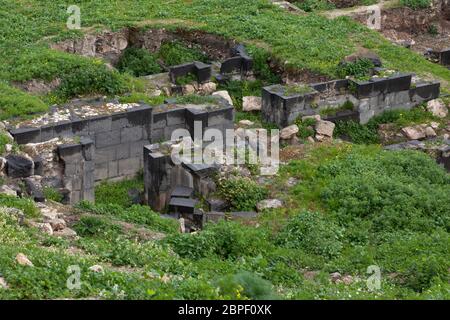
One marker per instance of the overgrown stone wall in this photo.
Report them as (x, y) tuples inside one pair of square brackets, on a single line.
[(282, 105), (109, 146)]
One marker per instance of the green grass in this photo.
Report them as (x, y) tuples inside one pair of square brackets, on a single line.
[(368, 133), (310, 42)]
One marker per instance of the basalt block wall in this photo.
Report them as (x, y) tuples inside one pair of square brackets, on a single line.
[(78, 170), (111, 145), (369, 98), (162, 176), (118, 139)]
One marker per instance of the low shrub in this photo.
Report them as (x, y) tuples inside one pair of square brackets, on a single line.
[(89, 226), (313, 233), (242, 193), (394, 190), (52, 194), (138, 62), (358, 69), (175, 53), (224, 239), (416, 4), (26, 205), (16, 103), (246, 285)]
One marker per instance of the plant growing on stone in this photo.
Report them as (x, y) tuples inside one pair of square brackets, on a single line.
[(360, 69), (52, 194), (305, 127)]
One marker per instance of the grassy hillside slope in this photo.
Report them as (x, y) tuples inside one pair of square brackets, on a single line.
[(310, 42)]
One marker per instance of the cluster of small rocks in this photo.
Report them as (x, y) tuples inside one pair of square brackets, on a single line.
[(196, 88), (323, 130), (53, 223)]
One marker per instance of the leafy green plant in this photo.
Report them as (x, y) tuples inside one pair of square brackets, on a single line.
[(247, 284), (313, 233), (138, 62), (305, 127), (242, 193), (52, 194), (359, 69), (95, 226), (314, 5), (240, 89), (16, 103), (26, 205), (175, 53), (187, 79), (117, 192), (416, 4)]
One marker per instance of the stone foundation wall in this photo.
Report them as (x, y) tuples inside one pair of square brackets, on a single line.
[(110, 146), (78, 164), (162, 176), (118, 139), (282, 106)]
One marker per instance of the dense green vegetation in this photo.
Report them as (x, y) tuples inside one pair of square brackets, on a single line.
[(309, 42), (138, 62), (354, 207), (368, 133), (349, 206), (416, 4)]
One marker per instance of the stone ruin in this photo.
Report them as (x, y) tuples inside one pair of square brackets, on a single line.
[(97, 142), (345, 99)]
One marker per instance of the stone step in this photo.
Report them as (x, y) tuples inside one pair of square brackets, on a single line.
[(182, 205), (182, 192)]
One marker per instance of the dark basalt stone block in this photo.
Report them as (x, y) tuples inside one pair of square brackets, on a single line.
[(337, 85), (18, 166), (26, 135), (363, 89), (80, 127), (201, 170), (38, 166), (241, 64), (201, 70), (140, 116), (34, 190), (346, 115), (217, 205), (182, 205), (63, 129), (214, 216), (182, 192), (444, 58), (196, 115), (400, 82), (428, 91), (67, 150)]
